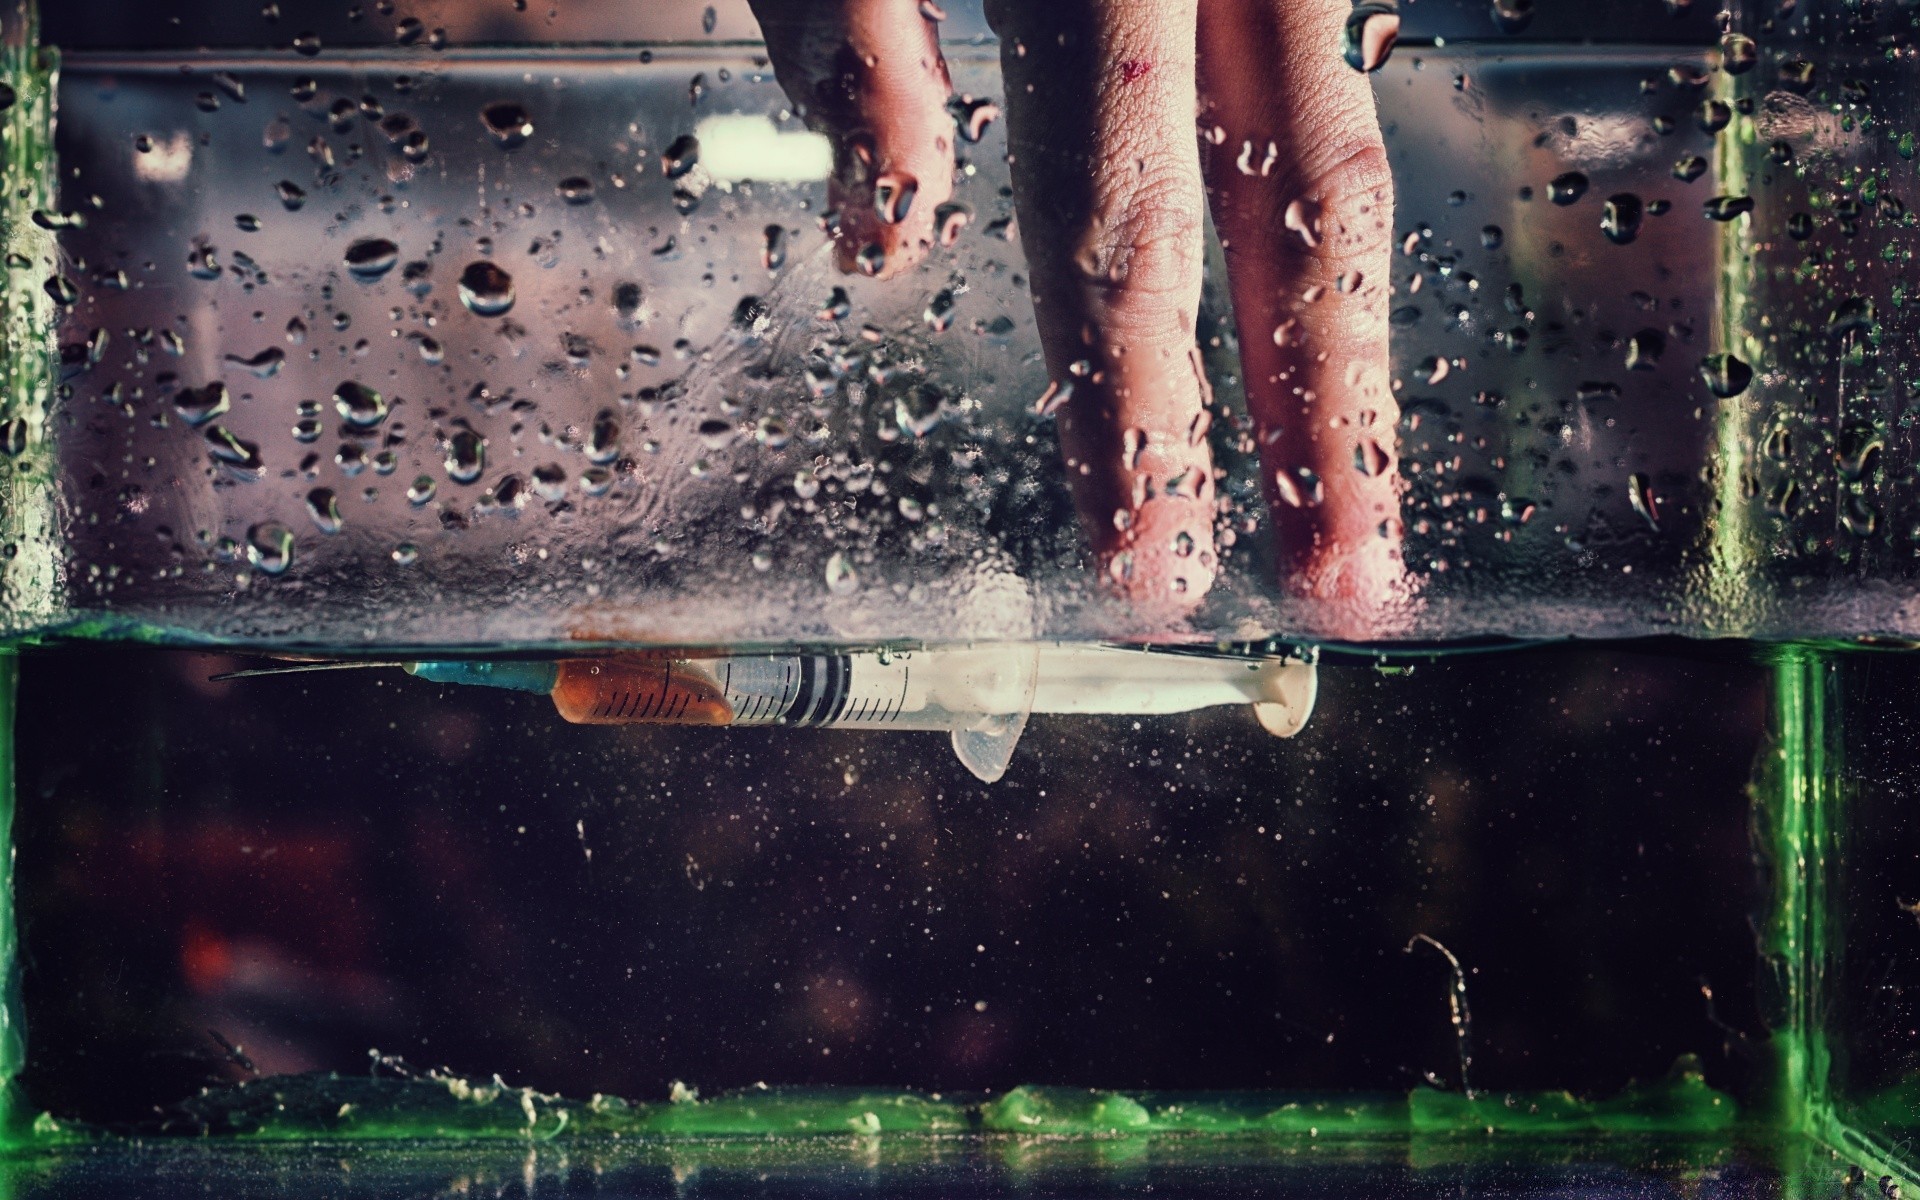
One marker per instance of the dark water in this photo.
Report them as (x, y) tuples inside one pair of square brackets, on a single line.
[(317, 866)]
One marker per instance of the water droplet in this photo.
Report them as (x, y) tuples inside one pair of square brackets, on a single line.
[(1620, 218), (1726, 375), (13, 437), (421, 490), (1714, 115), (507, 123), (306, 44), (575, 189), (307, 430), (1644, 350), (1370, 32), (1861, 518), (1303, 217), (1640, 496), (466, 456), (1370, 458), (1856, 450), (773, 247), (63, 290), (1738, 54), (369, 258), (406, 554), (919, 411), (197, 406), (264, 365), (1853, 315), (324, 507), (972, 116), (1054, 399), (603, 437), (838, 306), (270, 548), (486, 290), (772, 433), (236, 454), (842, 579), (362, 407), (1568, 188), (871, 260), (1726, 208), (806, 484), (1299, 488), (680, 157), (1512, 16), (1690, 168), (708, 19), (940, 311), (1491, 237), (1800, 226), (7, 96)]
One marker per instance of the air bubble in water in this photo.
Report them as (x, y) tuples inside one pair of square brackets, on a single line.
[(508, 123), (486, 290), (369, 258), (1370, 32)]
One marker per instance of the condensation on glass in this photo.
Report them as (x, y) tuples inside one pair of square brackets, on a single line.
[(444, 343)]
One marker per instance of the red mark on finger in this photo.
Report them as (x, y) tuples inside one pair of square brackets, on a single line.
[(1133, 68)]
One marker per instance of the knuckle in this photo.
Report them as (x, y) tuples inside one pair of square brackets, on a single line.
[(1141, 261), (1351, 191)]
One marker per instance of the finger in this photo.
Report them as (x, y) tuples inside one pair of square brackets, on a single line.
[(1100, 97), (1301, 194), (869, 74)]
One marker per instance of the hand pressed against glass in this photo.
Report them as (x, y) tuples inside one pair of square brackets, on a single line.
[(1113, 180)]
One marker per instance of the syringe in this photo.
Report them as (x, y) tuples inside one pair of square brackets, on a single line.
[(980, 694)]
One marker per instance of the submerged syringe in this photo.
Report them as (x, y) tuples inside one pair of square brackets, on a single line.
[(980, 694)]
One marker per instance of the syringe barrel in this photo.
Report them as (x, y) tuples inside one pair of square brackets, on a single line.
[(839, 690)]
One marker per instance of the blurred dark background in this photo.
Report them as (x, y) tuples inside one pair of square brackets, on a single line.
[(316, 866)]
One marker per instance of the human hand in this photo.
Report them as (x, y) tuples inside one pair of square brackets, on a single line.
[(1113, 181)]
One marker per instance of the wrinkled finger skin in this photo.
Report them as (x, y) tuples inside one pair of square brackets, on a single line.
[(869, 74), (1303, 200), (1106, 174)]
